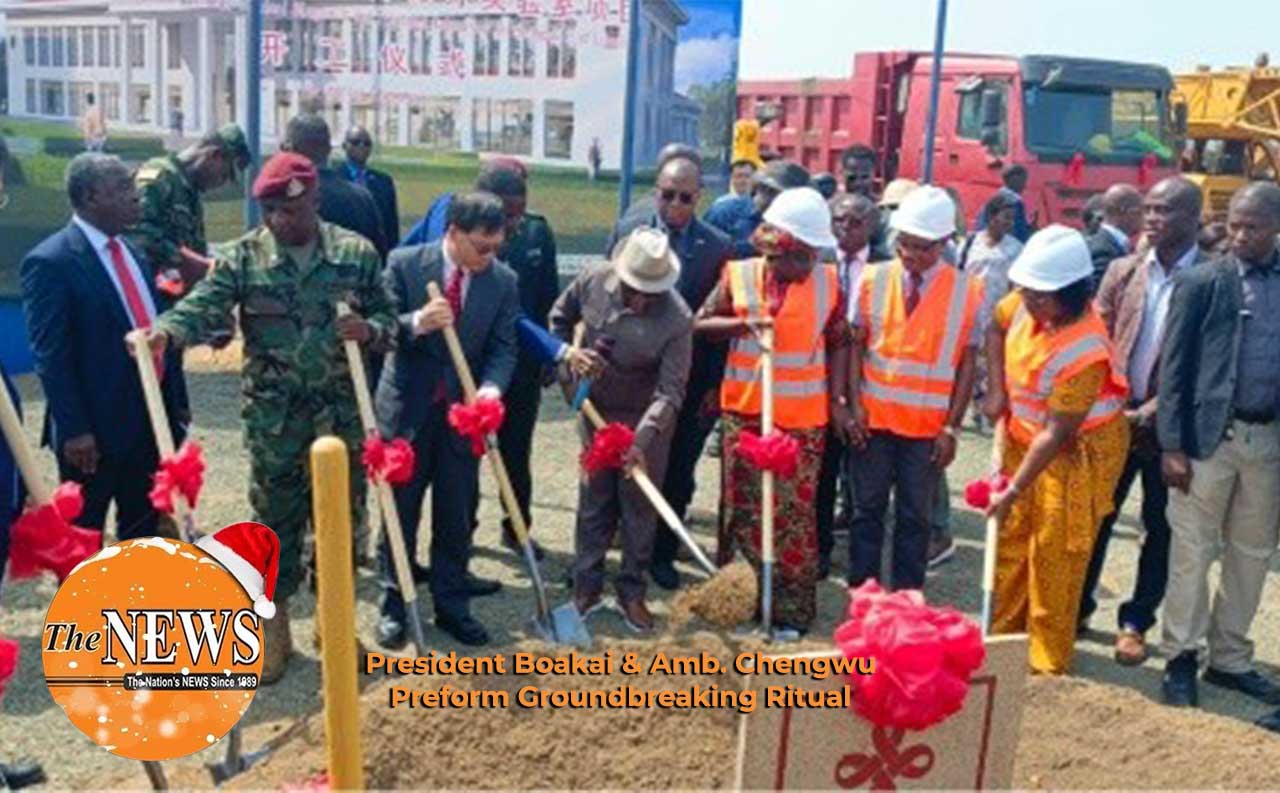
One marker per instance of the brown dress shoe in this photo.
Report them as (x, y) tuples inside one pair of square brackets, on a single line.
[(586, 604), (637, 615), (1131, 648), (277, 643)]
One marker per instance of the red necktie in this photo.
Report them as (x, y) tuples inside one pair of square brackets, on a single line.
[(913, 294), (453, 293), (132, 296)]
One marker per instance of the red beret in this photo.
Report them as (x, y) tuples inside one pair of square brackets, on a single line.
[(286, 175)]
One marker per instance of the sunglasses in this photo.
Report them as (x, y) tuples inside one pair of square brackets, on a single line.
[(361, 142), (671, 195)]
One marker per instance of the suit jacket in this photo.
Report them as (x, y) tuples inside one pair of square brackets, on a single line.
[(383, 189), (1199, 359), (487, 330), (76, 323), (1122, 300), (352, 207), (1103, 249), (705, 254)]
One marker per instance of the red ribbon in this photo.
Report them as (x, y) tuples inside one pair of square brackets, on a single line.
[(42, 538), (181, 472), (608, 448), (924, 657), (388, 462), (978, 493), (8, 662), (477, 421), (776, 452), (1075, 169), (1146, 165)]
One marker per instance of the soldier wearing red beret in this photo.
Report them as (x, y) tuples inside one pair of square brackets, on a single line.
[(286, 277)]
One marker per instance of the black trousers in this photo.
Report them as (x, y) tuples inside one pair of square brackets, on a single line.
[(446, 465), (1139, 611), (830, 495), (892, 464), (692, 429), (121, 478), (515, 440)]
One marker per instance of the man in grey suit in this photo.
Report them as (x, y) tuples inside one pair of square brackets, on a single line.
[(1217, 423), (419, 384), (702, 250)]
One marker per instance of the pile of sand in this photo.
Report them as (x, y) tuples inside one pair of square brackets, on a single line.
[(1075, 734)]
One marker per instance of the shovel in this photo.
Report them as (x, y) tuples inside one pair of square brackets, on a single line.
[(11, 426), (565, 626), (766, 482), (385, 499), (991, 545), (651, 492), (142, 356)]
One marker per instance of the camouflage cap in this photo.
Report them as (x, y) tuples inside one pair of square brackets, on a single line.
[(235, 146)]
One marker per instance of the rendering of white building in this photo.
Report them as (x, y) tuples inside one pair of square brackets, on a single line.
[(540, 79)]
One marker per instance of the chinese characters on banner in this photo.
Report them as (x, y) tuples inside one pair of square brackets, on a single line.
[(567, 22)]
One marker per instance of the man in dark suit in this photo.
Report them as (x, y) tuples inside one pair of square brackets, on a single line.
[(1133, 302), (1121, 222), (419, 384), (342, 203), (84, 288), (358, 145), (1217, 423), (703, 250)]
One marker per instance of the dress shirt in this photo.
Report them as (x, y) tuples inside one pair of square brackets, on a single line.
[(485, 389), (850, 271), (1155, 307), (98, 241), (1258, 381), (358, 175)]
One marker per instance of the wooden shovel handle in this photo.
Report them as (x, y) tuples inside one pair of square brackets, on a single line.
[(145, 361), (22, 454)]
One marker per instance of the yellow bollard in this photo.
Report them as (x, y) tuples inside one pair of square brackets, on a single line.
[(335, 608)]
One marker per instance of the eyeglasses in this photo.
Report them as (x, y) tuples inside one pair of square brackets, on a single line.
[(483, 249), (363, 142), (671, 195)]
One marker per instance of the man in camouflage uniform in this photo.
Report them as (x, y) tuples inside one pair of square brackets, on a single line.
[(171, 230), (287, 277)]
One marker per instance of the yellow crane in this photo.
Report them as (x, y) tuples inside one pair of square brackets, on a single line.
[(1232, 122)]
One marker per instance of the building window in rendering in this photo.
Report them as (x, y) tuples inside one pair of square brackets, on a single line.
[(558, 120), (503, 125)]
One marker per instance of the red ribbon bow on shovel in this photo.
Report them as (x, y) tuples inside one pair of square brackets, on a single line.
[(8, 662), (777, 452), (391, 462), (477, 421), (608, 448), (43, 538), (181, 472)]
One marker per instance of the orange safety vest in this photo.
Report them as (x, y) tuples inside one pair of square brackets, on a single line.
[(799, 346), (1035, 360), (909, 365)]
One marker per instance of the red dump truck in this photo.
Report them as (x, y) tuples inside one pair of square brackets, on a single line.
[(1077, 125)]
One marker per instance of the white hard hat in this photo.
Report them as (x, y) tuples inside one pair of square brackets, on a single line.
[(926, 212), (1054, 257), (803, 213)]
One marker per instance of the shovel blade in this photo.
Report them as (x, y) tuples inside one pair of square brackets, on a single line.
[(568, 627)]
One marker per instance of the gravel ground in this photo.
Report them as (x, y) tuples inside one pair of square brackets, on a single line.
[(33, 726)]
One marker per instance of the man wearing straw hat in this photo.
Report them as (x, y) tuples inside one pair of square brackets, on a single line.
[(632, 303)]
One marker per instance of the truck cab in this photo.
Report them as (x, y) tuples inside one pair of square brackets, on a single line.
[(1078, 126)]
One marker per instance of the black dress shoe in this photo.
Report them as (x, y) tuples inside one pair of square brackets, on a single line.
[(1271, 721), (1178, 689), (664, 574), (391, 632), (421, 574), (480, 587), (510, 542), (1251, 684), (21, 774), (467, 630)]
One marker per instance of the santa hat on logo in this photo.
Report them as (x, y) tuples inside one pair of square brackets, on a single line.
[(251, 553)]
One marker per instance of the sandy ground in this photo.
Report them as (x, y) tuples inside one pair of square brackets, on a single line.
[(1111, 732)]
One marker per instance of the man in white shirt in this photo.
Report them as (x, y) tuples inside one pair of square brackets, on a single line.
[(1133, 301), (84, 288), (1121, 221)]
